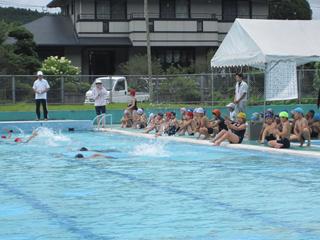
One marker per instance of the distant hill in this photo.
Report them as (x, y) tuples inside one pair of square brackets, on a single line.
[(19, 15)]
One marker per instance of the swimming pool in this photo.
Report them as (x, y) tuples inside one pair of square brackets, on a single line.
[(153, 190)]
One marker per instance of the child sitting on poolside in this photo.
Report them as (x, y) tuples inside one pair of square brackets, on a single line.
[(188, 125), (236, 131), (268, 133), (140, 119), (205, 126), (126, 120), (172, 124), (282, 134), (157, 125)]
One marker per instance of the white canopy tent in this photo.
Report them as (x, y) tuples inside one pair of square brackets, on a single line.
[(276, 46)]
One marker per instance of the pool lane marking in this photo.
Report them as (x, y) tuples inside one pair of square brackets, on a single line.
[(242, 212), (243, 146), (64, 221)]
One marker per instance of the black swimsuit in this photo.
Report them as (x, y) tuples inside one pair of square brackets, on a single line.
[(239, 133)]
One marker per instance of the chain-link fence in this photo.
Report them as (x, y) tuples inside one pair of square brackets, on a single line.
[(206, 89)]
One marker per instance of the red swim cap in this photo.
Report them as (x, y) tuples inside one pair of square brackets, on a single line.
[(132, 92), (216, 112), (18, 140), (190, 114), (3, 136)]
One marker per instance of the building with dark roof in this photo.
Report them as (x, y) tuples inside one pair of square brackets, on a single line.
[(98, 35)]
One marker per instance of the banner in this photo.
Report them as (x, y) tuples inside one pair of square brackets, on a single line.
[(281, 81)]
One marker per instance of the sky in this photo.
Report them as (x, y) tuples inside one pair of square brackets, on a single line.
[(40, 5)]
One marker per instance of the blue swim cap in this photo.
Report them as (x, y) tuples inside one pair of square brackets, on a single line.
[(316, 117)]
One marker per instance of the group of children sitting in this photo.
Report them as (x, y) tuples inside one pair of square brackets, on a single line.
[(278, 129), (193, 122)]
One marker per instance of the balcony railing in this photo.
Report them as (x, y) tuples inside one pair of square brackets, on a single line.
[(177, 16)]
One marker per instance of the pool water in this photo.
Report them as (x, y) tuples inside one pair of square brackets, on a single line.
[(153, 190)]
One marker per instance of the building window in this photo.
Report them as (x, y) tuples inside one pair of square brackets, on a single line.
[(167, 9), (102, 8), (111, 9), (175, 9), (183, 57), (118, 9), (182, 8), (229, 10)]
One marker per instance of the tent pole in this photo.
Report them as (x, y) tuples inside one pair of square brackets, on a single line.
[(264, 93)]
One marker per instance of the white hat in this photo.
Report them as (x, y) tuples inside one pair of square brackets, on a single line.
[(200, 110), (39, 73), (231, 105), (98, 81), (140, 111)]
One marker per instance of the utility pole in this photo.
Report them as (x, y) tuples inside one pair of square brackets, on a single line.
[(146, 16)]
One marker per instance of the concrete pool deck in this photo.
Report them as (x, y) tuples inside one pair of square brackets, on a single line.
[(304, 152)]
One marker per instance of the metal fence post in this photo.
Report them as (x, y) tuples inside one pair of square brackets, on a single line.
[(212, 81), (13, 90), (62, 89), (299, 86)]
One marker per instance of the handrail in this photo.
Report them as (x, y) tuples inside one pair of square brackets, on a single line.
[(100, 118)]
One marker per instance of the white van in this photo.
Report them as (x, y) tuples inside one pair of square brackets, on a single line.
[(117, 88)]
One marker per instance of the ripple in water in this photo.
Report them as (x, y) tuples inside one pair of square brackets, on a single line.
[(51, 138), (151, 149)]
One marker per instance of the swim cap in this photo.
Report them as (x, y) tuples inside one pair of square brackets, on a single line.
[(160, 114), (316, 117), (168, 114), (231, 105), (3, 136), (79, 155), (83, 149), (183, 109), (132, 92), (140, 111), (284, 114), (200, 110), (268, 115), (242, 115), (190, 110), (298, 110), (190, 114), (173, 113), (18, 140), (216, 112)]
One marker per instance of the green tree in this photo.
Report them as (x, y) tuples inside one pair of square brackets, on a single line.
[(19, 56), (290, 9)]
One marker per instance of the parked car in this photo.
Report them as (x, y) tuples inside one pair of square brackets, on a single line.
[(117, 88)]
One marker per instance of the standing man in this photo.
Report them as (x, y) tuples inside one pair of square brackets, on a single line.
[(41, 87), (99, 94), (240, 98)]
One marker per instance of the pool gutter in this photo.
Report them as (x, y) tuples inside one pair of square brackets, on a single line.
[(242, 146)]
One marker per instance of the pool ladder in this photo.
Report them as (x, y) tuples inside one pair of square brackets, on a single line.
[(101, 120)]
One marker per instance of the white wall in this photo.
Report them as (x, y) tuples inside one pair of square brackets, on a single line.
[(88, 27), (121, 27), (171, 26)]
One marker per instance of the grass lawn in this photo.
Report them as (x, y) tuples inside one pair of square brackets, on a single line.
[(30, 107)]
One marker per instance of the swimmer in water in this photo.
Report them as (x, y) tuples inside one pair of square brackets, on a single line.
[(96, 155), (20, 140), (9, 132), (84, 149)]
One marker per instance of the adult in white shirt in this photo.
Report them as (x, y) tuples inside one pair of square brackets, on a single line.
[(240, 98), (99, 94), (41, 87)]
